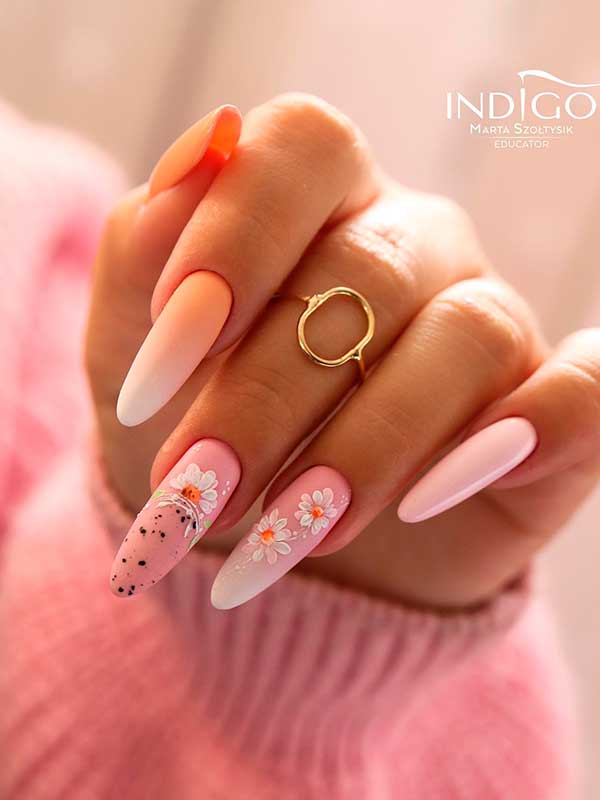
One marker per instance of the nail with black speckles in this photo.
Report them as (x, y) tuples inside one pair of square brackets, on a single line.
[(192, 496)]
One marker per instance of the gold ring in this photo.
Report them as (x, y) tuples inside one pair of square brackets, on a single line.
[(355, 353)]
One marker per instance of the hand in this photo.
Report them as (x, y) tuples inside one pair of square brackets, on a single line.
[(298, 207)]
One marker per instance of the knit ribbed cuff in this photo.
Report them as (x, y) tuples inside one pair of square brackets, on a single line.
[(308, 659), (307, 686)]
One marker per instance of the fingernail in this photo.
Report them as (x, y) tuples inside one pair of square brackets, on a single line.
[(476, 463), (219, 131), (183, 333), (289, 529), (176, 516)]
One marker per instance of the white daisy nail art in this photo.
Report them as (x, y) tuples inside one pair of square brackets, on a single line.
[(177, 515), (315, 511), (198, 486), (268, 538), (300, 518), (196, 497)]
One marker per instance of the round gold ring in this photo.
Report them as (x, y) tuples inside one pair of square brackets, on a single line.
[(355, 353)]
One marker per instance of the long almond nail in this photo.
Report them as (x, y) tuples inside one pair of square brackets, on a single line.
[(289, 529), (183, 333), (476, 463), (219, 131), (176, 516)]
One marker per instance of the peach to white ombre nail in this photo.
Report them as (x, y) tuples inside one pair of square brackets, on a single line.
[(289, 529), (193, 316), (182, 335), (476, 463)]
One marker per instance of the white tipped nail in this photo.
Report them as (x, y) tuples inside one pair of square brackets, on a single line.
[(183, 333)]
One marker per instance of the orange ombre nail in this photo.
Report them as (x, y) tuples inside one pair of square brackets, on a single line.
[(194, 315), (218, 131)]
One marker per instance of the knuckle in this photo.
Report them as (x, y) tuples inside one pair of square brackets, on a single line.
[(580, 372), (447, 209), (435, 208), (389, 253), (323, 122), (577, 384), (584, 375), (452, 216), (485, 313), (585, 341), (389, 242), (457, 236), (450, 219)]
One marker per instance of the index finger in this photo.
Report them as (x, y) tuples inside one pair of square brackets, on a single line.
[(300, 165)]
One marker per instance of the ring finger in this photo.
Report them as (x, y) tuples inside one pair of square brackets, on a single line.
[(473, 343)]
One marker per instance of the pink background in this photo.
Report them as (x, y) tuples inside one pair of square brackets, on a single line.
[(133, 75)]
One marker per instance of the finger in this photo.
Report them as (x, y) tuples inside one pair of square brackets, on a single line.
[(474, 342), (268, 397), (554, 415), (489, 539), (561, 400), (299, 165), (145, 225), (138, 239)]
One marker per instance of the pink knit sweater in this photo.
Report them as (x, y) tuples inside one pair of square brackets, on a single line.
[(309, 691)]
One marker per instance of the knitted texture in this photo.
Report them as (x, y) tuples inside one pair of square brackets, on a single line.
[(309, 691)]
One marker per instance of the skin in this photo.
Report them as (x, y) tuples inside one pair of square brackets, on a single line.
[(300, 207)]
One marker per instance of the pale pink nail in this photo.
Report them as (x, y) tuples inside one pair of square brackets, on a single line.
[(476, 463), (176, 516), (290, 528), (183, 333)]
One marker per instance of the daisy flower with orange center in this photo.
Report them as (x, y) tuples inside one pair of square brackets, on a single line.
[(198, 487), (268, 538), (316, 510)]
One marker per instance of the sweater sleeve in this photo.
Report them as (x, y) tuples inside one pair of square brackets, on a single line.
[(309, 691)]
